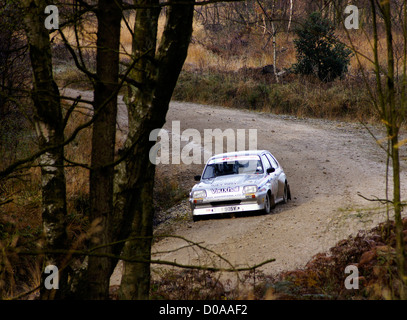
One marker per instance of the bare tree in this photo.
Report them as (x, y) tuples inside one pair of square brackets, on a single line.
[(156, 72), (49, 126), (121, 186), (109, 16), (393, 112), (389, 98)]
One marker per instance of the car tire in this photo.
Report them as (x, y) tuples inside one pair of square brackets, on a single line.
[(269, 203), (286, 194), (289, 192), (272, 202), (196, 218)]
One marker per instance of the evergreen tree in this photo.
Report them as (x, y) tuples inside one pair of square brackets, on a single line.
[(318, 50)]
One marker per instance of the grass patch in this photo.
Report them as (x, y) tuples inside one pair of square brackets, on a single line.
[(293, 95)]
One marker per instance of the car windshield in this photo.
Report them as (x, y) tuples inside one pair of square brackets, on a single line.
[(218, 167)]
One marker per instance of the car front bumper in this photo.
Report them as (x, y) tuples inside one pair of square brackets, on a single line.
[(208, 207)]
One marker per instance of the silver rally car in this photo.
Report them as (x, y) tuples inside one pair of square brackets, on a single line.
[(239, 181)]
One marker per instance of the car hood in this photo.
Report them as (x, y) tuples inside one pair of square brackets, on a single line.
[(229, 184)]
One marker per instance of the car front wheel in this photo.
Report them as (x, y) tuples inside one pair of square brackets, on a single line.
[(268, 204)]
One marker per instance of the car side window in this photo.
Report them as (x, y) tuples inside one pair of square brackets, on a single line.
[(273, 162), (266, 163)]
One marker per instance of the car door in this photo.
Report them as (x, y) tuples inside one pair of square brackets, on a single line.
[(278, 176), (271, 176)]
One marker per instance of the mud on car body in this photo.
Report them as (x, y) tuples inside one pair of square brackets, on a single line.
[(237, 182)]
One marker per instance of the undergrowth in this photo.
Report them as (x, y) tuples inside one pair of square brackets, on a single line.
[(323, 277), (301, 96)]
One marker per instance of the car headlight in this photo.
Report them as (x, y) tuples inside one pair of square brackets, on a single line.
[(199, 194), (250, 189)]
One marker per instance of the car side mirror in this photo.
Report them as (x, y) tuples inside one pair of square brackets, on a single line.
[(270, 170), (197, 178)]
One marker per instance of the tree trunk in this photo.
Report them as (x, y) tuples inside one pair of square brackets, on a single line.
[(392, 115), (50, 131), (400, 250), (147, 111), (290, 17), (103, 143), (392, 120)]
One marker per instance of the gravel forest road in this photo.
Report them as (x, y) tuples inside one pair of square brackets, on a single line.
[(327, 164)]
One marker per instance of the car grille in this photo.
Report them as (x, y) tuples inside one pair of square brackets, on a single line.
[(224, 203)]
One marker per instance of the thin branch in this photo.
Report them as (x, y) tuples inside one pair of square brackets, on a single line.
[(69, 112), (2, 203), (21, 295), (137, 260), (92, 76), (76, 164), (78, 98), (374, 137), (375, 199), (201, 247), (130, 81)]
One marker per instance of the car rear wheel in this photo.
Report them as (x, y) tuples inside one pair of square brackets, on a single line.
[(286, 193)]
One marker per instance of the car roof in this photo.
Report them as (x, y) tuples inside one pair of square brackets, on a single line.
[(239, 153)]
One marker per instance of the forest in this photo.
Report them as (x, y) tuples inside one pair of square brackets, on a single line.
[(80, 195)]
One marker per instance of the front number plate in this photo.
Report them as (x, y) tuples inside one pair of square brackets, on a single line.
[(231, 209)]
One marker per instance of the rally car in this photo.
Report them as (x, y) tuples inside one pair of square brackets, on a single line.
[(237, 182)]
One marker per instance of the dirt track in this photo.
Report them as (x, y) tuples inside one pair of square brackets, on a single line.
[(327, 163)]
